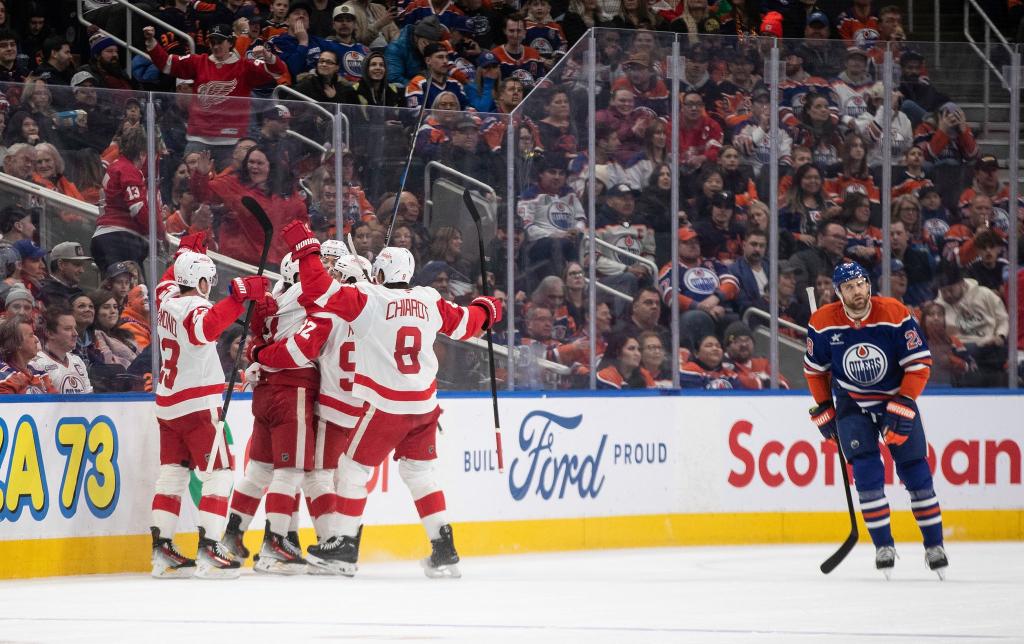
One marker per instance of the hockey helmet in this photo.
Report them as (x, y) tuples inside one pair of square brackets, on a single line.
[(289, 269), (394, 265), (352, 268), (190, 268), (847, 272), (334, 248)]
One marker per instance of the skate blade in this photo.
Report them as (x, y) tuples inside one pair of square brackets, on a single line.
[(941, 572), (888, 573), (318, 566), (217, 573), (441, 572), (161, 572), (268, 566)]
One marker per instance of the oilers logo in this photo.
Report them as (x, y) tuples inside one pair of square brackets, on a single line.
[(480, 25), (352, 63), (560, 215), (866, 38), (936, 227), (524, 77), (855, 105), (542, 45), (718, 383), (700, 280), (865, 364)]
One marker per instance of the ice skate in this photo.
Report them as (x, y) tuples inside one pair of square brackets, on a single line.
[(279, 556), (214, 561), (233, 538), (443, 560), (885, 560), (936, 559), (168, 563), (336, 556)]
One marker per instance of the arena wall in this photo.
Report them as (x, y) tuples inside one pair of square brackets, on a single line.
[(582, 471)]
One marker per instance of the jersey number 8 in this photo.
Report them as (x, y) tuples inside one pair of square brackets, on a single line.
[(408, 342)]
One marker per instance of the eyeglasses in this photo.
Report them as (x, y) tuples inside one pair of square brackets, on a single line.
[(575, 274)]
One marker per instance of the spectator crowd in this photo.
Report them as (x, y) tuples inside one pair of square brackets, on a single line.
[(441, 79)]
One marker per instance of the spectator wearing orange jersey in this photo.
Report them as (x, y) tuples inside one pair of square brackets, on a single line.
[(752, 372), (622, 365), (707, 369)]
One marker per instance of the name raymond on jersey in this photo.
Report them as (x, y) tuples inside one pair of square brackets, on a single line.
[(166, 321), (407, 307)]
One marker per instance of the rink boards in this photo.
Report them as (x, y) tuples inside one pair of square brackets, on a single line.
[(77, 474)]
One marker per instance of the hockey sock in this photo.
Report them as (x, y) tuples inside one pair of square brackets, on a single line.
[(918, 479), (352, 478), (293, 523), (318, 486), (869, 476), (246, 498), (170, 485), (426, 494), (213, 506), (281, 498)]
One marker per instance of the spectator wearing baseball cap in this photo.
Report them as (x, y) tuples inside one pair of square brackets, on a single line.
[(648, 90), (822, 56), (346, 34), (720, 236), (119, 278), (68, 262), (986, 182), (33, 265), (15, 224), (480, 91), (424, 89), (751, 371)]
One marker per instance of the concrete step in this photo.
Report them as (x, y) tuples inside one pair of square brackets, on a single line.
[(997, 112)]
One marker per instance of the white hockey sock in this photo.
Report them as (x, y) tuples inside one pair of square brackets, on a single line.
[(352, 478), (281, 498), (318, 486), (426, 494), (170, 485), (246, 498), (213, 506)]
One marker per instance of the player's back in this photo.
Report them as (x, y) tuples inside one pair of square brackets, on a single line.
[(337, 364), (396, 365), (191, 377)]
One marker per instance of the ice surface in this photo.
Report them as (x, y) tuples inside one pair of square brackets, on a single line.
[(715, 594)]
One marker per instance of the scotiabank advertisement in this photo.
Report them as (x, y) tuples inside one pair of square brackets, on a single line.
[(87, 467)]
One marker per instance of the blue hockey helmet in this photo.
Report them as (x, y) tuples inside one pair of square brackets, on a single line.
[(846, 272)]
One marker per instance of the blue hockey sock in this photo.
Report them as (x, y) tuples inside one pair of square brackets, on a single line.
[(923, 502), (869, 476)]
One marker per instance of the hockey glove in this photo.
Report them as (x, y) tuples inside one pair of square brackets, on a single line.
[(300, 239), (196, 242), (252, 352), (251, 288), (492, 306), (824, 418), (898, 421), (263, 309)]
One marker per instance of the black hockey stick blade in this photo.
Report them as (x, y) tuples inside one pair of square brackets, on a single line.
[(467, 198), (837, 557)]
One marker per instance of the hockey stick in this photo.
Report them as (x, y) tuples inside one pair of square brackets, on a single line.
[(405, 172), (837, 557), (219, 447), (467, 198)]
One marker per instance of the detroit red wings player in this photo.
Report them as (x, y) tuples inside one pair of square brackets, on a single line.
[(188, 396), (394, 326)]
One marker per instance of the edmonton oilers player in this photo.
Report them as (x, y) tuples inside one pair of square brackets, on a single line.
[(870, 355)]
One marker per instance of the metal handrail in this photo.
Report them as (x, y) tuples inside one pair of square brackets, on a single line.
[(305, 139), (238, 265), (47, 194), (128, 29), (611, 291), (637, 258), (501, 350), (990, 27), (754, 311), (308, 99), (442, 168)]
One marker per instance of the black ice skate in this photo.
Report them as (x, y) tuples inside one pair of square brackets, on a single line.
[(936, 559), (336, 556), (214, 561), (885, 560), (279, 556), (233, 538), (443, 560), (168, 563)]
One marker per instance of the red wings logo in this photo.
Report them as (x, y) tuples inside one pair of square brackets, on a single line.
[(214, 93)]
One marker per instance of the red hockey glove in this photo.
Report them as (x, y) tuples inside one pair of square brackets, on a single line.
[(492, 306), (898, 421), (252, 352), (824, 418), (300, 239), (196, 242), (263, 309), (251, 288)]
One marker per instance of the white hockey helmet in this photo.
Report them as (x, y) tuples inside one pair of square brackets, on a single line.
[(334, 248), (394, 265), (190, 268), (289, 269), (352, 268)]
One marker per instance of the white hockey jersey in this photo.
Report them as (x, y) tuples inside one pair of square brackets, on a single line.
[(191, 378), (71, 378), (282, 326)]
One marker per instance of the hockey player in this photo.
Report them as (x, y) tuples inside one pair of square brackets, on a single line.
[(327, 339), (866, 363), (394, 326), (188, 395)]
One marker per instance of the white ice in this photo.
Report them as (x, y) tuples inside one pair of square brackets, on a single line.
[(714, 594)]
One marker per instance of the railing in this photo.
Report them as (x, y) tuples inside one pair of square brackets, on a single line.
[(604, 288), (428, 202), (636, 258), (130, 9), (46, 194), (756, 312), (986, 56), (317, 106)]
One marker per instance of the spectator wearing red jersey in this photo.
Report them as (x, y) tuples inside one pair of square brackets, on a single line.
[(240, 235), (621, 368), (858, 25), (700, 136), (219, 113), (945, 136)]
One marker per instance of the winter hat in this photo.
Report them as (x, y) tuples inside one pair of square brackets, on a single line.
[(771, 25), (18, 292), (98, 42), (429, 28)]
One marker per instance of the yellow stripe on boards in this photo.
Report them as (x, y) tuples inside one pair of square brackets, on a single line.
[(100, 555)]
